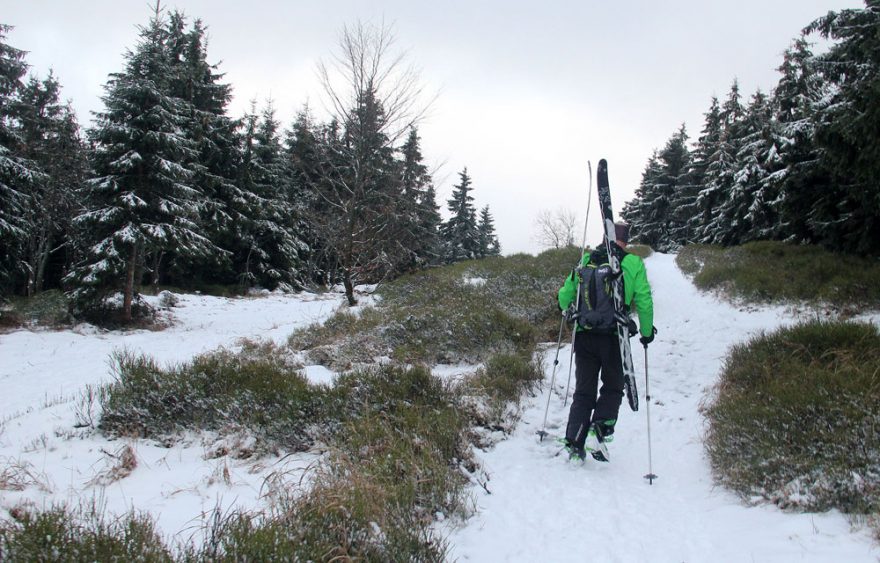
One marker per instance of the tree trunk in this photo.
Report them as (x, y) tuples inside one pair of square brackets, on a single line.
[(157, 267), (128, 292), (349, 287), (42, 260)]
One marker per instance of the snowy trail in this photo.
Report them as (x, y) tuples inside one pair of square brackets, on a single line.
[(543, 508)]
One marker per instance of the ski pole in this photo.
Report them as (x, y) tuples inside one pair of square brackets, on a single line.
[(650, 476), (542, 432), (580, 258), (570, 358)]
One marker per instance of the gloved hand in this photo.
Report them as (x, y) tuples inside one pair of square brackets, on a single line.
[(570, 314), (633, 329), (645, 340)]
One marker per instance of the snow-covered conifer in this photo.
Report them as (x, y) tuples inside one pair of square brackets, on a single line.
[(143, 199), (460, 234)]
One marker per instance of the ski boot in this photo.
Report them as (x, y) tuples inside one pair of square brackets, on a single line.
[(596, 442), (575, 453)]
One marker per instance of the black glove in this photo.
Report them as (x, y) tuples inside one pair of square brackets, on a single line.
[(633, 329), (571, 313), (645, 340)]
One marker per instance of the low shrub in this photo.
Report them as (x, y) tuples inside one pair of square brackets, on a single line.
[(795, 418), (465, 312), (48, 308), (259, 388)]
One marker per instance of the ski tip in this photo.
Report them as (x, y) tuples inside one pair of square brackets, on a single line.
[(602, 174)]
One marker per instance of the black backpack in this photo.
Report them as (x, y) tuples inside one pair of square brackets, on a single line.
[(596, 306)]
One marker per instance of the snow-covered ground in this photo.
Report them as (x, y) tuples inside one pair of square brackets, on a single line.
[(541, 507), (43, 374)]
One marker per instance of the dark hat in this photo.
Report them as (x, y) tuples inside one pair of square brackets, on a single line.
[(621, 232)]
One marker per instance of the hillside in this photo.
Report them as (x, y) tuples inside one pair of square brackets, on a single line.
[(541, 507)]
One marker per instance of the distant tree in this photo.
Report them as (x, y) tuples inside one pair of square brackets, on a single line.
[(555, 228), (488, 244), (746, 213), (652, 215), (636, 211), (718, 176), (686, 201), (269, 246), (460, 234), (420, 217), (50, 140), (304, 151)]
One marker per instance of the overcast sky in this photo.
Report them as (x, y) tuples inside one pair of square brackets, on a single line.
[(528, 91)]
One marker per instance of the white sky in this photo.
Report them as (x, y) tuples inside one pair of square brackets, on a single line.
[(529, 91)]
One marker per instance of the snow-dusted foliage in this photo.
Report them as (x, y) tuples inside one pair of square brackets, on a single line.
[(798, 165), (15, 171), (460, 235), (144, 200)]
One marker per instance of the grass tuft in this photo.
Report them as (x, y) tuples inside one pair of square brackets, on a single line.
[(58, 534)]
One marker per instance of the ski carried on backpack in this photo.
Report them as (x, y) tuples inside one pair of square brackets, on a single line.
[(629, 379)]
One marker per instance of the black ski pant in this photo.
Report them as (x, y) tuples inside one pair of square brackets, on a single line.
[(594, 354)]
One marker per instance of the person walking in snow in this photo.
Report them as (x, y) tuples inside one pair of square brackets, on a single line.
[(591, 421)]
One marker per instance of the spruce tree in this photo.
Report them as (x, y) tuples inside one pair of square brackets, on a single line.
[(487, 240), (143, 200), (798, 178), (746, 213), (460, 234), (847, 134), (686, 202), (653, 214), (50, 140), (718, 177), (199, 85), (269, 245), (303, 151), (356, 192), (636, 212), (420, 216), (15, 171)]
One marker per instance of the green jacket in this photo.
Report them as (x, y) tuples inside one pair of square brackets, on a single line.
[(636, 288)]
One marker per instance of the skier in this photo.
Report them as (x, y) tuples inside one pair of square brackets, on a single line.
[(590, 421)]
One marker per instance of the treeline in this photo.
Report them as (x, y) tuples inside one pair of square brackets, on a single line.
[(167, 188), (801, 164)]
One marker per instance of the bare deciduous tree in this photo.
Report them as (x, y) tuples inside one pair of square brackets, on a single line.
[(374, 99), (555, 229)]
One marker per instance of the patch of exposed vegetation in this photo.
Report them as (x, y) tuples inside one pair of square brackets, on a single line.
[(795, 418), (771, 271)]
